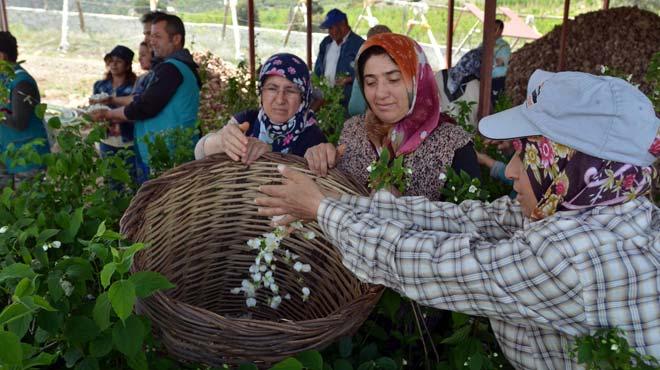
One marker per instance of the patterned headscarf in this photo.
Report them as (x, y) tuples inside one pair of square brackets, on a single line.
[(424, 114), (295, 70), (566, 179)]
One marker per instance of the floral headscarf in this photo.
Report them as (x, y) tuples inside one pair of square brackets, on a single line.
[(295, 70), (566, 179), (424, 113)]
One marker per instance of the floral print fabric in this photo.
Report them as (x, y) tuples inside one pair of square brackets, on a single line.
[(294, 69), (566, 179)]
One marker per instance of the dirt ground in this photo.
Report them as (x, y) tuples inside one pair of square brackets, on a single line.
[(64, 80)]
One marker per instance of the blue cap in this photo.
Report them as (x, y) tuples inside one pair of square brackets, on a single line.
[(602, 116), (333, 17)]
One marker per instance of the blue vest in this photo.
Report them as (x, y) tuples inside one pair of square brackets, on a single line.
[(35, 129), (180, 111)]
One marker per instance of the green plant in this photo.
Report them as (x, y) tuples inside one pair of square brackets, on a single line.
[(388, 173), (608, 349), (460, 186), (170, 148), (332, 113), (653, 79)]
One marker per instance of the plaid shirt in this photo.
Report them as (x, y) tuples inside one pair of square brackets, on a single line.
[(540, 283)]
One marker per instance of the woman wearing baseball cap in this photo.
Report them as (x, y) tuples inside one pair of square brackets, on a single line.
[(577, 251)]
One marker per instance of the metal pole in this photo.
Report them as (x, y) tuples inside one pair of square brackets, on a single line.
[(4, 19), (564, 37), (450, 32), (309, 34), (487, 58), (251, 38), (606, 4)]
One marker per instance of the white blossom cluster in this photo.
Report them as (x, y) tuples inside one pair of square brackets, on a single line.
[(262, 271)]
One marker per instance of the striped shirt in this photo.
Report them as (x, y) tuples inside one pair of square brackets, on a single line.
[(540, 283)]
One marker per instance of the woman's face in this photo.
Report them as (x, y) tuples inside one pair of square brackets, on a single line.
[(144, 57), (515, 170), (116, 66), (280, 99), (384, 89)]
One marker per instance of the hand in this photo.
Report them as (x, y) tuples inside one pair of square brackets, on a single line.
[(485, 160), (322, 157), (343, 81), (299, 197), (503, 145), (230, 140), (255, 149)]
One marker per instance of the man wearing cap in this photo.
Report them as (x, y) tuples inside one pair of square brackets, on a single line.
[(336, 58), (172, 98), (19, 123), (577, 251)]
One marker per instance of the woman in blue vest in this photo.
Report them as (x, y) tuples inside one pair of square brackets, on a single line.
[(283, 123), (19, 125)]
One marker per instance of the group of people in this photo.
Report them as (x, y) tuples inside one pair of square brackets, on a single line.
[(577, 250)]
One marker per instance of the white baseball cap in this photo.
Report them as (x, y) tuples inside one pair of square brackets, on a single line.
[(602, 116)]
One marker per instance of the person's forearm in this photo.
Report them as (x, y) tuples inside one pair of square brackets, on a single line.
[(121, 101), (116, 114)]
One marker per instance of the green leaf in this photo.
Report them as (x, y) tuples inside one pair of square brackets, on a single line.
[(43, 303), (46, 234), (386, 363), (122, 297), (391, 302), (106, 274), (42, 359), (80, 329), (20, 325), (75, 221), (100, 230), (345, 346), (342, 364), (12, 352), (147, 282), (459, 319), (54, 123), (102, 345), (311, 360), (23, 288), (88, 363), (288, 364), (101, 312), (54, 289), (138, 362), (13, 312), (40, 110), (16, 271), (76, 268), (71, 356), (128, 337), (368, 352), (458, 336), (476, 360)]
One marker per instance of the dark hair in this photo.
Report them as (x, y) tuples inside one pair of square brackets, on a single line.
[(500, 24), (149, 17), (173, 27), (130, 75), (362, 60), (144, 43), (8, 45)]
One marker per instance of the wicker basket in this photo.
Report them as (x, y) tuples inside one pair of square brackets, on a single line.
[(198, 218)]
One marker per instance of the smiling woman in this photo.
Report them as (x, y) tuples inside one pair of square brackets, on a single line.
[(403, 115), (284, 123)]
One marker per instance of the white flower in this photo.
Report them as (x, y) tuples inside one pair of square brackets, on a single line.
[(235, 290), (269, 274), (442, 177), (614, 348), (256, 277), (423, 135), (297, 225), (274, 288), (275, 302), (409, 171), (603, 69), (287, 296), (306, 292), (250, 302), (56, 244), (453, 188), (253, 268), (67, 287), (369, 168), (472, 189), (45, 247), (4, 229), (254, 243), (455, 199), (298, 266), (306, 268), (268, 257), (309, 235)]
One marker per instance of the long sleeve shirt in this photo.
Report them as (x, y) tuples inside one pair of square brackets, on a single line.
[(540, 283)]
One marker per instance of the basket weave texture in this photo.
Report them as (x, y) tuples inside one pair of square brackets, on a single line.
[(197, 219)]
